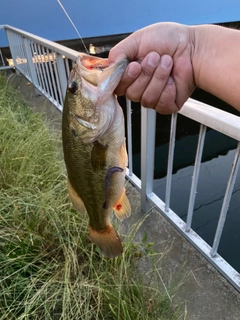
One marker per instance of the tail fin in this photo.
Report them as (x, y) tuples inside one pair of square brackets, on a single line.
[(107, 240)]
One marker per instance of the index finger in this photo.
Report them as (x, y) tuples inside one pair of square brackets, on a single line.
[(132, 72)]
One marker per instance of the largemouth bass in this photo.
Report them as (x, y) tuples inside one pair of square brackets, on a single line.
[(94, 148)]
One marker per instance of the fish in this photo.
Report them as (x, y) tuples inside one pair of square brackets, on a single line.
[(94, 147)]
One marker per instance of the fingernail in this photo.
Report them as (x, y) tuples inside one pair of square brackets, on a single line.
[(166, 61), (132, 71), (170, 80), (153, 59)]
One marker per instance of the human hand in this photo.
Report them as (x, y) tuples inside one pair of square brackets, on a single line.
[(160, 73)]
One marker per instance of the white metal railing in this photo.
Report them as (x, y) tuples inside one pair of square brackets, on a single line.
[(47, 65), (2, 62), (3, 65), (44, 63), (208, 116)]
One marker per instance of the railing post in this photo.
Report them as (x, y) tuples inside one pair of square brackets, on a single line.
[(31, 66), (197, 165), (226, 201), (170, 160), (1, 57), (148, 124), (62, 75), (129, 136), (12, 45)]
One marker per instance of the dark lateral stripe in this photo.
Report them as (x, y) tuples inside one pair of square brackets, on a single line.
[(107, 182)]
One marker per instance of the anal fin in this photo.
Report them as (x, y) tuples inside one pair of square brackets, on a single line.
[(122, 208), (107, 240), (76, 200)]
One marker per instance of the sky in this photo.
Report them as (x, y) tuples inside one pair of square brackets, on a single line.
[(45, 18)]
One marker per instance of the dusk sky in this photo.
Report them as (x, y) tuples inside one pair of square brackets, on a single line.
[(45, 18)]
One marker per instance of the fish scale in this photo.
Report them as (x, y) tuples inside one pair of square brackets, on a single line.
[(94, 148)]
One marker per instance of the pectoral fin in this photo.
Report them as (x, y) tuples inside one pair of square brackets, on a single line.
[(122, 208), (98, 156), (76, 200)]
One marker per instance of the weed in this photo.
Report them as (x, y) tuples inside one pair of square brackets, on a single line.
[(48, 267)]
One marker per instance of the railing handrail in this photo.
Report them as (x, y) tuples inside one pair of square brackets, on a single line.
[(67, 52), (217, 119)]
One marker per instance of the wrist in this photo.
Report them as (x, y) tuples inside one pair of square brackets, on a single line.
[(215, 61), (199, 38)]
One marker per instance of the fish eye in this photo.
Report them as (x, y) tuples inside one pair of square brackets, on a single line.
[(72, 87)]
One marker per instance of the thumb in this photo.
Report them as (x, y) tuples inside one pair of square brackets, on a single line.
[(126, 49)]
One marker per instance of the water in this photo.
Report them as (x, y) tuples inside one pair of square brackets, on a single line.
[(218, 155), (210, 192)]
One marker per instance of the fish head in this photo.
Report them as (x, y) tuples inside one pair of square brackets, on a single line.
[(90, 94)]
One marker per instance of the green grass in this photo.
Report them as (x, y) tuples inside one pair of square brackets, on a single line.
[(48, 267)]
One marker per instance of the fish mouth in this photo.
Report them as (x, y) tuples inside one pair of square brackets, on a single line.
[(87, 124), (97, 71), (94, 63)]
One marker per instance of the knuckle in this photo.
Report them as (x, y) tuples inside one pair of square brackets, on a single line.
[(146, 72), (165, 108), (132, 95), (166, 99), (161, 77), (166, 103), (149, 100), (162, 74)]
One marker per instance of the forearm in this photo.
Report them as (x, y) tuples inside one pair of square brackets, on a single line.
[(216, 62)]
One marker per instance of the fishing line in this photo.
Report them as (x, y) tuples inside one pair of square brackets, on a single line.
[(64, 10)]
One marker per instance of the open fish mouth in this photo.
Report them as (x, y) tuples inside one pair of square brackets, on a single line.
[(94, 63), (83, 122)]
